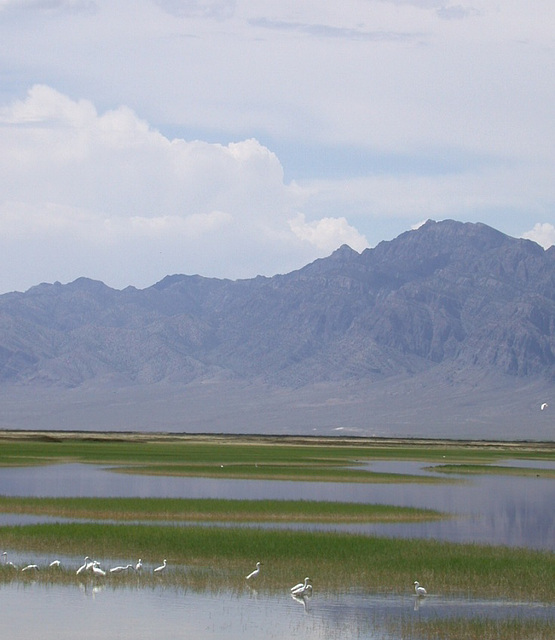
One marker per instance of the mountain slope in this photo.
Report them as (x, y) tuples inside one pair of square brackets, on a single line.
[(448, 301)]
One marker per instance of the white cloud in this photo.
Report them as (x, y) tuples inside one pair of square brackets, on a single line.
[(417, 225), (219, 9), (114, 199), (490, 194), (48, 7), (542, 233), (417, 109), (328, 233)]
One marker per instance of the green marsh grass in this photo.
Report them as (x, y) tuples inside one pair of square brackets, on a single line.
[(218, 510), (332, 560), (275, 458), (495, 470), (442, 628)]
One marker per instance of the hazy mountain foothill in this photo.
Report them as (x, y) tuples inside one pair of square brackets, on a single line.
[(445, 331)]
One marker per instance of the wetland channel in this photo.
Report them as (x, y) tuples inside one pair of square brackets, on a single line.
[(493, 509)]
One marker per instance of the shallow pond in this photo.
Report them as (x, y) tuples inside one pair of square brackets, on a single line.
[(93, 611), (492, 509)]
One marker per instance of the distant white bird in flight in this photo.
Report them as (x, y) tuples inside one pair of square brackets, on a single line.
[(254, 573), (543, 406), (161, 567), (302, 589), (420, 591)]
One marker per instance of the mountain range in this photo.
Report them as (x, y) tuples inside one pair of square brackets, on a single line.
[(447, 330)]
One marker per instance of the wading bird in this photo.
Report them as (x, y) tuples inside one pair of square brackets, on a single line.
[(302, 589), (254, 573), (161, 567), (87, 564), (420, 591), (54, 563), (139, 565), (120, 569), (31, 567), (97, 571), (7, 562)]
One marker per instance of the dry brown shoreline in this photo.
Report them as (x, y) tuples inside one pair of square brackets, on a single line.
[(136, 436)]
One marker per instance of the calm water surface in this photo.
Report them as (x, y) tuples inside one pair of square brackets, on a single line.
[(509, 510), (87, 612), (492, 509)]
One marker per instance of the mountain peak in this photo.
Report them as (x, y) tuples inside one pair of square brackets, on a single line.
[(454, 293)]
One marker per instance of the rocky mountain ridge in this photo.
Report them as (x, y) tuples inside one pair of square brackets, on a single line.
[(461, 300), (447, 291)]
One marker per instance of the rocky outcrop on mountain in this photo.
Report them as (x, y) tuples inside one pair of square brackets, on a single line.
[(448, 292)]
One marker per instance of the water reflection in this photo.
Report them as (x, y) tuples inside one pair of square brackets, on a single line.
[(92, 612), (494, 509)]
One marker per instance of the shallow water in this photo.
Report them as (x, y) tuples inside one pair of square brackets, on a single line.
[(491, 509), (97, 612)]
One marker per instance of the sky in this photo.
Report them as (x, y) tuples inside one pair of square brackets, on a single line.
[(235, 138)]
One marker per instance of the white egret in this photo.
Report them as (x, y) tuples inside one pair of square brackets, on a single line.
[(7, 562), (139, 565), (97, 571), (544, 406), (161, 567), (87, 564), (420, 591), (302, 589), (31, 567), (54, 563), (254, 573), (120, 569)]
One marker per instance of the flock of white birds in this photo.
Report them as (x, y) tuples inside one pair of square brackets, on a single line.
[(304, 589), (89, 566), (300, 590)]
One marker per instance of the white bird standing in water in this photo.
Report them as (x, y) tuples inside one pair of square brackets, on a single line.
[(54, 563), (139, 565), (420, 591), (7, 562), (87, 564), (97, 571), (161, 567), (302, 589), (254, 573)]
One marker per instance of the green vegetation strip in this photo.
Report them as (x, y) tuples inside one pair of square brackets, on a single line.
[(335, 562), (311, 472), (218, 510), (495, 469), (273, 458), (481, 628)]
